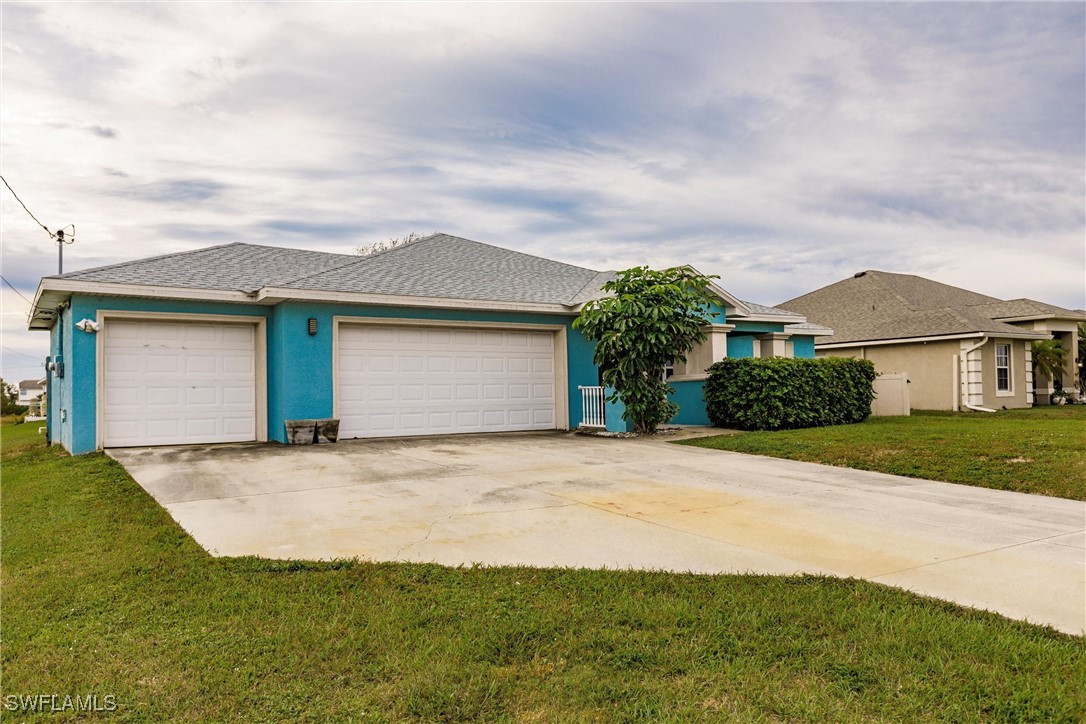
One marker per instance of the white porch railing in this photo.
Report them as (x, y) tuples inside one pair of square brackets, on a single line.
[(592, 405)]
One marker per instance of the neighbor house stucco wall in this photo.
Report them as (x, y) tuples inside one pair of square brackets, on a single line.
[(928, 365), (1066, 331), (1017, 398), (933, 376)]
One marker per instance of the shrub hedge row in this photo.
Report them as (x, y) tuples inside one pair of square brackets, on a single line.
[(782, 393)]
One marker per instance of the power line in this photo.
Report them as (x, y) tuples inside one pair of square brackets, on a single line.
[(51, 234), (16, 290), (21, 354)]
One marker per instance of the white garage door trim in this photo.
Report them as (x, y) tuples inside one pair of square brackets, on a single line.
[(260, 351), (561, 377)]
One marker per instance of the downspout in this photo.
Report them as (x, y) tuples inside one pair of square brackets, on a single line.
[(965, 375)]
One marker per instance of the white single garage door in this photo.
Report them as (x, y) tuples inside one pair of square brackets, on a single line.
[(171, 383), (437, 380)]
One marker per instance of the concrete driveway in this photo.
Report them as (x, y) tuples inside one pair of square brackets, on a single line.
[(560, 499)]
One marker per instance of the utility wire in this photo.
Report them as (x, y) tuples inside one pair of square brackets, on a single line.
[(37, 360), (16, 290), (24, 207), (21, 354)]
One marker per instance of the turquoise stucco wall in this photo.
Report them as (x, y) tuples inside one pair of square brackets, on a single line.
[(299, 366), (301, 384), (740, 345), (60, 388), (688, 396), (803, 347)]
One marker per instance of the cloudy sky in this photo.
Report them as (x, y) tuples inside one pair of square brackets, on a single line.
[(783, 147)]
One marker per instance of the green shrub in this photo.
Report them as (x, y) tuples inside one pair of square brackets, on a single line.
[(782, 393)]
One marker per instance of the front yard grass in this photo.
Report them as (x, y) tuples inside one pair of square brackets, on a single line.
[(104, 594), (1038, 450)]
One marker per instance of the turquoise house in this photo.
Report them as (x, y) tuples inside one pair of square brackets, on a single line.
[(443, 335)]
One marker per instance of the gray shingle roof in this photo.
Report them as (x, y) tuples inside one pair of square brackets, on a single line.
[(877, 305), (808, 328), (451, 267), (439, 265), (763, 310), (229, 267), (1013, 308)]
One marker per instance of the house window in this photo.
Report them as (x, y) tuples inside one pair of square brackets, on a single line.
[(1003, 367)]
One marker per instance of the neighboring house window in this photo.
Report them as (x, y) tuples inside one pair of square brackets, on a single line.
[(1003, 367)]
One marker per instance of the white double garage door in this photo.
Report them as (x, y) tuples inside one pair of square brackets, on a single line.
[(416, 380), (168, 382)]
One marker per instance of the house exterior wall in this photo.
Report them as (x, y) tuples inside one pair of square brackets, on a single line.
[(299, 366), (1019, 387), (688, 394), (1066, 331), (300, 376), (741, 345), (933, 376), (929, 365)]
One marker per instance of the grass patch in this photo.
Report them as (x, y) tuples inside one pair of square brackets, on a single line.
[(1038, 450), (105, 594), (15, 438)]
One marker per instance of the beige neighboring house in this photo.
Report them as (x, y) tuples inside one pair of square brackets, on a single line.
[(959, 349)]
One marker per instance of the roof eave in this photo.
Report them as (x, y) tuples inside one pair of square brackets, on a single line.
[(274, 295), (776, 318), (53, 291), (929, 338), (1040, 317)]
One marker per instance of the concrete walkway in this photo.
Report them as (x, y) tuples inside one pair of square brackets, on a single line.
[(559, 499)]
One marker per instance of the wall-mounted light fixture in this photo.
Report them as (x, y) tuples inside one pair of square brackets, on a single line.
[(312, 326)]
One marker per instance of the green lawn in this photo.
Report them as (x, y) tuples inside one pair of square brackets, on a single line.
[(1039, 450), (103, 594)]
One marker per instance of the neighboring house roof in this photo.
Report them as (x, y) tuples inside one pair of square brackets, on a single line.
[(876, 305), (1022, 309), (31, 385), (434, 268)]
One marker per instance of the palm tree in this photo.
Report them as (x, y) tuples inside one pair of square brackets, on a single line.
[(1048, 360)]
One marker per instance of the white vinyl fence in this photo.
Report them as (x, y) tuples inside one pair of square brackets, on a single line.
[(592, 403)]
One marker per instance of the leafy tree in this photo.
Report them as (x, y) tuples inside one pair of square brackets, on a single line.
[(653, 319), (1048, 359), (375, 248), (9, 399)]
